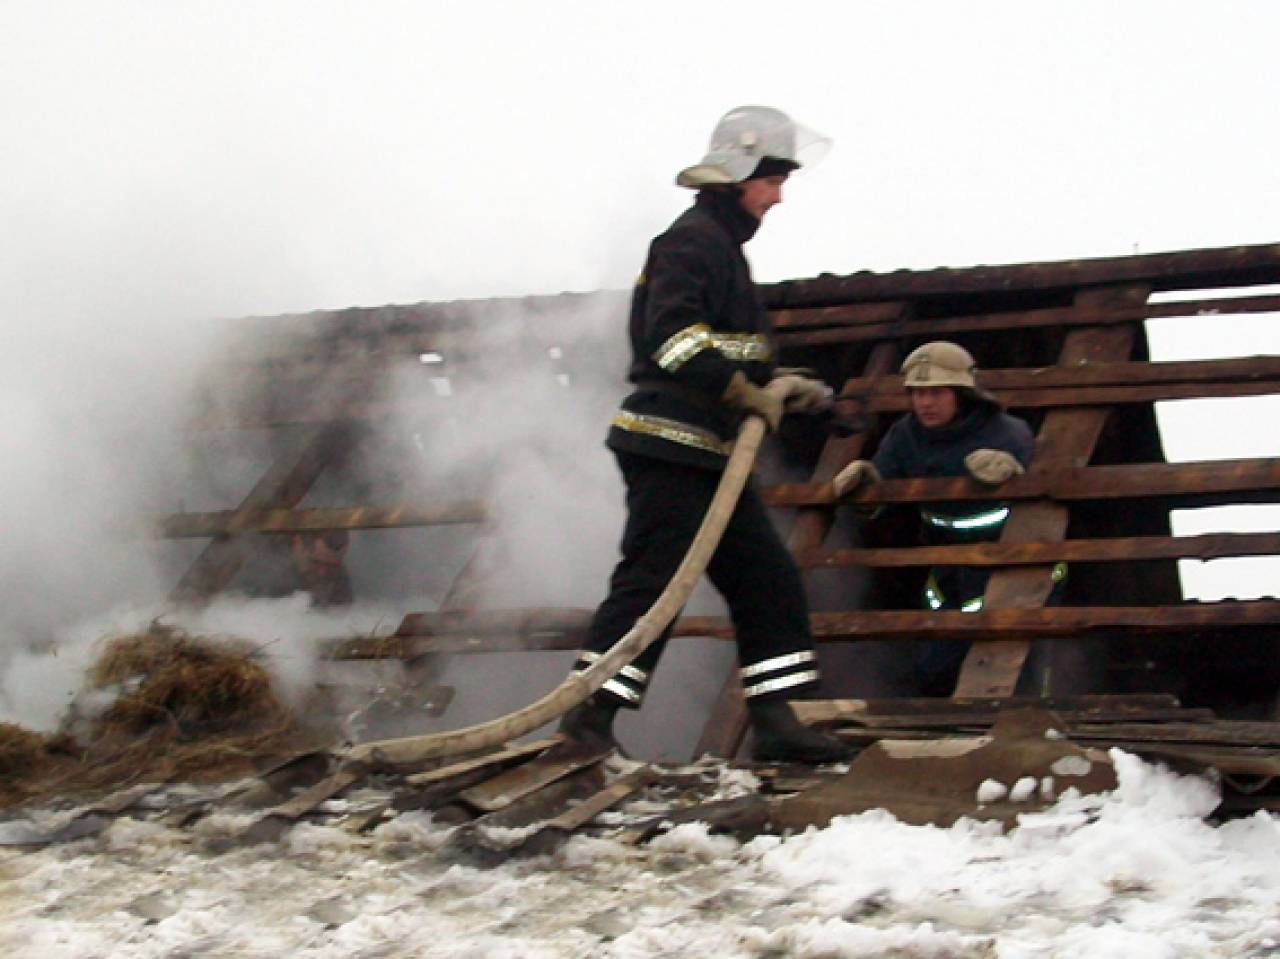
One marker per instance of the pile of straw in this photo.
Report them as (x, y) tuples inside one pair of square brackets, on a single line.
[(184, 707)]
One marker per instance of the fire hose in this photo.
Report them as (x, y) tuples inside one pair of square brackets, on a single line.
[(579, 685)]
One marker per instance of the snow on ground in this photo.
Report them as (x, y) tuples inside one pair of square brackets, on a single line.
[(1137, 874)]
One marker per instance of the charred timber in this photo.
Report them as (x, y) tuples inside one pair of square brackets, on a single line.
[(1185, 270), (1244, 479), (1117, 549), (223, 522), (564, 629), (856, 322)]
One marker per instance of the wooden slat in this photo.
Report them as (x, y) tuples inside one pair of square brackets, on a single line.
[(851, 324), (1255, 368), (510, 754), (283, 486), (515, 784), (812, 711), (268, 520), (1044, 623), (1221, 732), (1029, 399), (1117, 549), (1250, 478), (1182, 270), (992, 668), (607, 798), (884, 624)]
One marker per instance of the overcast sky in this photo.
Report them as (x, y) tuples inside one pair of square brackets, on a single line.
[(162, 163)]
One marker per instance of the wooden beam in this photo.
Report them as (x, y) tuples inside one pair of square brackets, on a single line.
[(1044, 622), (1183, 270), (855, 323), (1102, 550), (1054, 622), (1250, 369), (308, 452), (1066, 438), (279, 520), (1064, 483), (1028, 399)]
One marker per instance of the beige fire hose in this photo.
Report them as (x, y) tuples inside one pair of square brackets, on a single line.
[(578, 686)]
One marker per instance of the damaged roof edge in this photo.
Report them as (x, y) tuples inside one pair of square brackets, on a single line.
[(1183, 270)]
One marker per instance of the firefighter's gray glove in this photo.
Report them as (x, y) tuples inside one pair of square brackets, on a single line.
[(854, 475), (806, 394), (992, 467), (742, 394)]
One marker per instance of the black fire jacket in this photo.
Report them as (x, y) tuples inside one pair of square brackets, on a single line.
[(695, 320)]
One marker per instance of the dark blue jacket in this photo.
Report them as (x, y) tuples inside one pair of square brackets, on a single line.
[(909, 451)]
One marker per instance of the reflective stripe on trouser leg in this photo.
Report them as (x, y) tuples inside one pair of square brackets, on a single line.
[(628, 685), (779, 673)]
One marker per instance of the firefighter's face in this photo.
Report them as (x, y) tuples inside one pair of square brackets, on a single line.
[(761, 195), (934, 406)]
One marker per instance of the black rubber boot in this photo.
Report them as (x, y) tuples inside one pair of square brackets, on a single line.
[(777, 736), (590, 724)]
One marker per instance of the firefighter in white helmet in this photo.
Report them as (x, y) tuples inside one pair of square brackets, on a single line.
[(702, 352), (955, 428)]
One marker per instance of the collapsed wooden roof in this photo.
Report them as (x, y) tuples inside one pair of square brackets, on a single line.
[(1062, 344)]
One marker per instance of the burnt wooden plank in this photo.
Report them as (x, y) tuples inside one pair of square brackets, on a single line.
[(608, 797), (855, 313), (1118, 373), (308, 452), (1110, 395), (812, 711), (1077, 712), (899, 625), (1066, 483), (1044, 623), (515, 784), (1182, 270), (1221, 732), (280, 520), (1101, 723), (1101, 550), (508, 828), (501, 757), (877, 320), (1066, 437), (795, 333)]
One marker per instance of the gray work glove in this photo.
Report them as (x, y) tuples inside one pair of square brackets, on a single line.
[(805, 394), (742, 394), (853, 476), (992, 467)]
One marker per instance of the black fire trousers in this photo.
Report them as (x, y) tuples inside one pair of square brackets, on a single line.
[(751, 569)]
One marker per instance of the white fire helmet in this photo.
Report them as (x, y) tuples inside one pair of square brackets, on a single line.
[(745, 136)]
